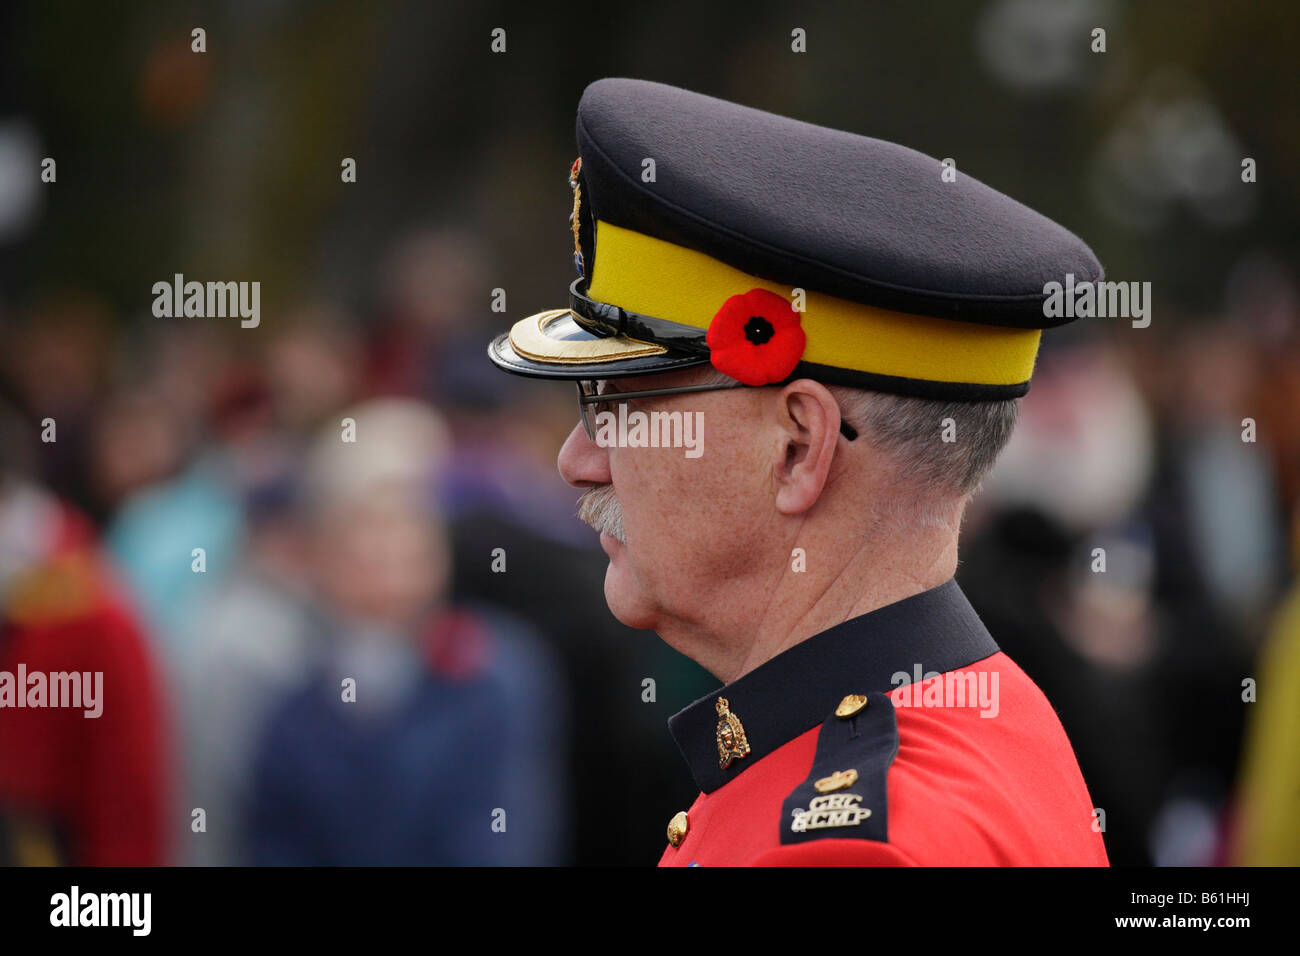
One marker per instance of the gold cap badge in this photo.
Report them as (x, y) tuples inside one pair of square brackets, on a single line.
[(732, 742)]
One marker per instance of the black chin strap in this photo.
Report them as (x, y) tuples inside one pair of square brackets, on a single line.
[(601, 318)]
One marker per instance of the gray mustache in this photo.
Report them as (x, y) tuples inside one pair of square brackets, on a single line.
[(599, 508)]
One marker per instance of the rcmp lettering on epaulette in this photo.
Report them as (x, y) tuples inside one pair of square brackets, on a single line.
[(855, 748), (834, 810)]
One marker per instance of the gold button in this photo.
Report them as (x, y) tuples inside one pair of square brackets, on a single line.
[(850, 705), (837, 781), (677, 828)]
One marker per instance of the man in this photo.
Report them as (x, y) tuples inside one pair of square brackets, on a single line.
[(854, 327)]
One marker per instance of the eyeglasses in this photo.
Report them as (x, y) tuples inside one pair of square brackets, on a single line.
[(591, 402)]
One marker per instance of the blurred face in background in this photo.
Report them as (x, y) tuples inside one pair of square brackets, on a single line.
[(138, 441), (312, 368), (380, 553), (383, 561)]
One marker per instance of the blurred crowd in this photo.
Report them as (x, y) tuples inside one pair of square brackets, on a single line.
[(242, 530)]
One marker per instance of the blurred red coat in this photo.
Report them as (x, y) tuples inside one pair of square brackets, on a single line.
[(76, 789)]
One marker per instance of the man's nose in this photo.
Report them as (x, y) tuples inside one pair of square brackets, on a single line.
[(582, 462)]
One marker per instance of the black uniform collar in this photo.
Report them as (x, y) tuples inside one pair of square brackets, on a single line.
[(797, 690)]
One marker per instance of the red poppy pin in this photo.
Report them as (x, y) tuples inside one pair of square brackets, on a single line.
[(756, 338)]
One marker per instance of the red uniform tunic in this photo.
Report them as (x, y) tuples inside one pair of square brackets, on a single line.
[(967, 766)]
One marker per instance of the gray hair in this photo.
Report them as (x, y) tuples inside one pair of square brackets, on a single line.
[(944, 448)]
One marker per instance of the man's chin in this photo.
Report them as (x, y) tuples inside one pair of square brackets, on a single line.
[(622, 598)]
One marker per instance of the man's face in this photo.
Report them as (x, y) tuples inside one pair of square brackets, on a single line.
[(689, 526)]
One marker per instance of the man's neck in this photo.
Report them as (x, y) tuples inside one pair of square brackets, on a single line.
[(797, 605), (865, 584)]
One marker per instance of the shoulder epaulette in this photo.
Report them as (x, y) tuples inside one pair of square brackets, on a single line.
[(845, 795)]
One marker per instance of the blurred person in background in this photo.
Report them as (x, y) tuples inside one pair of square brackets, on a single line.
[(253, 640), (426, 733), (74, 789), (55, 357), (312, 368), (254, 636), (1127, 642), (432, 279), (165, 487), (1236, 530), (1266, 304), (1269, 795)]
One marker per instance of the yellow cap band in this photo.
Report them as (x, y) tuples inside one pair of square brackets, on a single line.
[(653, 277)]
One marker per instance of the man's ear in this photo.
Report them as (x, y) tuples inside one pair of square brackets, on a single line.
[(809, 418)]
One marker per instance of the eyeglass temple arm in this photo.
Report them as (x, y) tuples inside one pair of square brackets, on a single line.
[(847, 430)]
